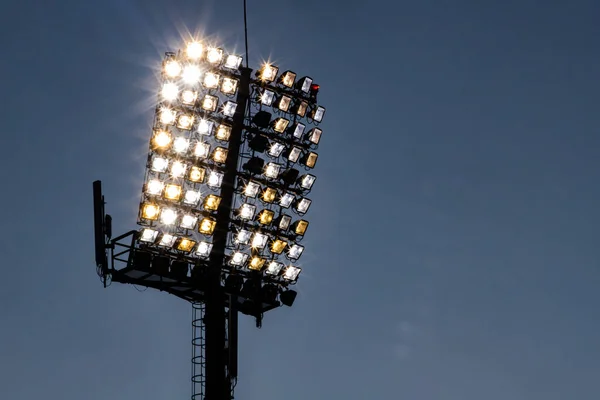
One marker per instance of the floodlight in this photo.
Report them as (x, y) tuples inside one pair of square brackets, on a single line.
[(317, 114), (168, 216), (304, 84), (150, 211), (269, 194), (160, 265), (185, 122), (211, 202), (189, 97), (202, 150), (287, 298), (303, 205), (191, 74), (178, 169), (274, 268), (204, 249), (255, 165), (290, 176), (277, 246), (220, 155), (205, 127), (291, 273), (161, 140), (300, 227), (169, 91), (167, 116), (300, 108), (238, 258), (210, 103), (286, 200), (276, 149), (247, 211), (196, 174), (298, 130), (259, 143), (294, 154), (280, 125), (188, 221), (259, 241), (192, 197), (251, 189), (243, 236), (211, 80), (154, 187), (295, 252), (215, 179), (223, 132), (229, 86), (283, 103), (314, 135), (172, 68), (214, 55), (310, 159), (181, 144), (267, 72), (287, 79), (284, 222), (265, 217), (256, 263), (207, 226), (267, 97), (262, 119), (233, 61), (173, 192), (167, 240), (186, 245), (148, 235), (179, 269), (272, 170), (194, 50), (229, 109), (306, 181)]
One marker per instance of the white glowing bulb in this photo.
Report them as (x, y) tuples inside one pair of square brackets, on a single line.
[(191, 197), (181, 144), (172, 68), (202, 149), (194, 50), (168, 216), (154, 187), (211, 80), (178, 169), (214, 55), (167, 116), (191, 74), (169, 91), (188, 221), (160, 164)]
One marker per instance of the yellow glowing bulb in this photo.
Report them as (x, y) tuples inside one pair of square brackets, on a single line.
[(173, 192), (186, 245), (220, 155), (256, 263), (302, 107), (197, 174), (281, 124), (161, 140), (301, 227), (265, 217), (211, 203), (311, 160), (278, 246), (207, 226), (269, 195), (150, 211), (223, 132), (194, 50), (185, 122)]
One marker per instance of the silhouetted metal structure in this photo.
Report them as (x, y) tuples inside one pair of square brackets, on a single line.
[(221, 256)]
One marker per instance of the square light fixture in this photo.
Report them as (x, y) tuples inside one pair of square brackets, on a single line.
[(274, 268), (210, 103), (215, 179), (265, 217), (186, 245), (205, 127), (211, 202), (251, 189), (247, 211), (148, 235), (256, 263), (161, 140), (287, 79), (269, 195), (173, 192), (233, 62), (150, 211), (223, 132), (277, 246), (242, 236), (229, 86), (207, 226), (238, 259), (211, 80), (196, 174), (202, 150)]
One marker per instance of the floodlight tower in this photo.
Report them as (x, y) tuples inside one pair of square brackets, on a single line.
[(221, 189)]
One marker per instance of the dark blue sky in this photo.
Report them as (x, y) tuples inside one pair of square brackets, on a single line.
[(452, 253)]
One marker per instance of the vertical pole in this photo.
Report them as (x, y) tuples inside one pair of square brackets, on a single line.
[(218, 386)]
